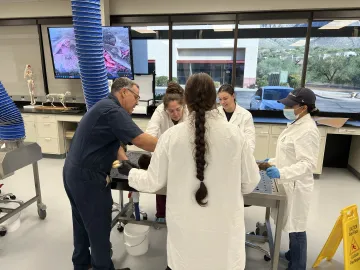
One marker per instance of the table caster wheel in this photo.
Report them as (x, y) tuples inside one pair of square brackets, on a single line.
[(13, 197), (267, 258), (120, 229), (3, 232), (42, 214)]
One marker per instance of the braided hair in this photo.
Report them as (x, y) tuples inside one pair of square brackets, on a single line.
[(200, 96)]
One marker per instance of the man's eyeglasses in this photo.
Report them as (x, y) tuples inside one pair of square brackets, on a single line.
[(137, 97), (178, 109)]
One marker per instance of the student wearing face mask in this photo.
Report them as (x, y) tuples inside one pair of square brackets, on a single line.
[(235, 114), (168, 114), (296, 158)]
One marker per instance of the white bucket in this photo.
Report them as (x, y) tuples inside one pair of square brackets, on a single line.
[(136, 239), (13, 223)]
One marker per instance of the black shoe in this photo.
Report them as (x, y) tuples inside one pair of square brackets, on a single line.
[(123, 269)]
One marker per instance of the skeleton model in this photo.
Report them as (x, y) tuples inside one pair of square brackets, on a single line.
[(61, 97), (30, 82)]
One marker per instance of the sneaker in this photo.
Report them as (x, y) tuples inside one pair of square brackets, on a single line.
[(161, 220)]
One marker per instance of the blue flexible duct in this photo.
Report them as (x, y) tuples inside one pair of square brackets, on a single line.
[(90, 49), (11, 122)]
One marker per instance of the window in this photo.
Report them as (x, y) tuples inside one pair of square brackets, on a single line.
[(204, 48), (273, 58), (333, 70), (150, 45)]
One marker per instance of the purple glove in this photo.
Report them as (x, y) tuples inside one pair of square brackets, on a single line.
[(273, 173)]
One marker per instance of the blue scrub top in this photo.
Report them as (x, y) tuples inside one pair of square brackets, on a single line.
[(98, 136)]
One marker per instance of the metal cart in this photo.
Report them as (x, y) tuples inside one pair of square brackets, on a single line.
[(14, 156), (268, 194)]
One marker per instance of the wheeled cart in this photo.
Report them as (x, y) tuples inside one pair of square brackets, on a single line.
[(15, 155), (268, 194)]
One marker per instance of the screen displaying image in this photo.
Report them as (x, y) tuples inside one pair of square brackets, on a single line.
[(117, 52)]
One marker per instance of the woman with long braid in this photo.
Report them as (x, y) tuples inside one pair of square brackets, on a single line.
[(207, 166)]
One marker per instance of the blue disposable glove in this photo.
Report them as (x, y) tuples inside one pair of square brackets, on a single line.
[(273, 172), (266, 160)]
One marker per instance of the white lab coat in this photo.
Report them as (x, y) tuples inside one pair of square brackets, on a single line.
[(161, 121), (211, 237), (243, 119), (296, 158)]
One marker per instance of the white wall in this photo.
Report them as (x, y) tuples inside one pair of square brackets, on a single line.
[(49, 8), (19, 46), (201, 6), (34, 8)]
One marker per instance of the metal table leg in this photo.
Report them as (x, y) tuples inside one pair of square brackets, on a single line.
[(121, 199), (278, 232), (40, 205)]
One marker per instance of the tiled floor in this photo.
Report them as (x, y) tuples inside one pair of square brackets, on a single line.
[(45, 245)]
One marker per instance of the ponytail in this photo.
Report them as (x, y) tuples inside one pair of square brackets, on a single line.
[(312, 110), (200, 149)]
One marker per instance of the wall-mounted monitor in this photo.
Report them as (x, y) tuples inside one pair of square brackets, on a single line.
[(117, 52)]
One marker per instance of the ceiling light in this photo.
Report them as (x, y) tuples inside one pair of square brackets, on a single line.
[(224, 28), (337, 24), (143, 30)]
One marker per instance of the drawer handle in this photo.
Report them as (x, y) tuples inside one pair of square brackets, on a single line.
[(264, 132), (347, 130), (46, 124), (48, 139)]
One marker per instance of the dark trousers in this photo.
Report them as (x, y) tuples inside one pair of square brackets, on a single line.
[(91, 205), (297, 254), (160, 206)]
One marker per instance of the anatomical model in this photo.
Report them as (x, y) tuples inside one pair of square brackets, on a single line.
[(61, 97), (30, 82)]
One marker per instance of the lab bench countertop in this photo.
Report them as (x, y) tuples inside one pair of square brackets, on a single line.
[(55, 112), (266, 120), (257, 120)]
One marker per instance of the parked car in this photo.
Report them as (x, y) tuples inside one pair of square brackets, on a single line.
[(265, 98)]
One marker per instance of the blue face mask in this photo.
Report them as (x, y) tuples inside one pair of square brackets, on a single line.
[(290, 114)]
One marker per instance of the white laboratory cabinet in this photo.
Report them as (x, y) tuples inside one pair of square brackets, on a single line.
[(51, 132)]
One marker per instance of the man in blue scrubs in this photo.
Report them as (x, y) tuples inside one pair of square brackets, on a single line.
[(95, 146)]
